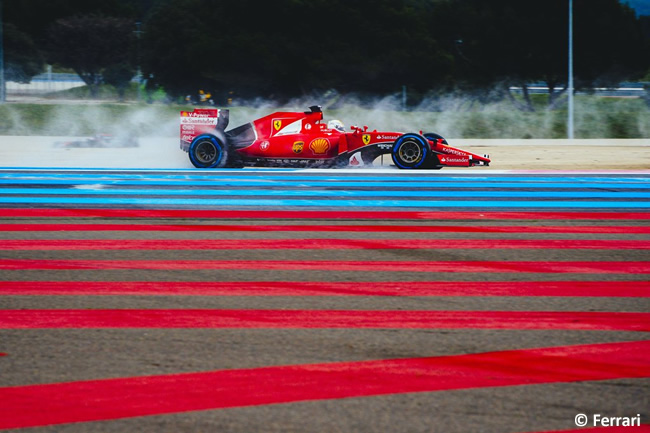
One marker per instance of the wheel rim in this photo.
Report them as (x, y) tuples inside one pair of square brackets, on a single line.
[(206, 152), (410, 152)]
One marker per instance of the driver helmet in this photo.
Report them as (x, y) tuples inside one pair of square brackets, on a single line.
[(336, 124)]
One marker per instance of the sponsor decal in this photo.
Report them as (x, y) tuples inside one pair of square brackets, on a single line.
[(453, 151), (356, 160), (387, 137), (453, 159), (320, 146), (385, 146), (199, 120), (196, 114), (298, 146), (277, 124), (365, 138), (264, 146), (192, 118)]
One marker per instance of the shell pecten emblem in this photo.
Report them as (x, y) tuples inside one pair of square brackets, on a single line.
[(319, 146), (366, 138)]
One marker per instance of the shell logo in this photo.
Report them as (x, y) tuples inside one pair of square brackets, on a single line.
[(319, 146)]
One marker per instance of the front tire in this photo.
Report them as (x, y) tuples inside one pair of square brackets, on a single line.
[(434, 136), (207, 151), (410, 151), (434, 161)]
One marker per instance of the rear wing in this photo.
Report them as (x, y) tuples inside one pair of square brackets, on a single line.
[(202, 121)]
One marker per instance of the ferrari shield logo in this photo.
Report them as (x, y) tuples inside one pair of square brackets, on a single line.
[(277, 124), (298, 146), (366, 138)]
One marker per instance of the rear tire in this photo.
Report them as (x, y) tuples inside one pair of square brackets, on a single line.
[(207, 151)]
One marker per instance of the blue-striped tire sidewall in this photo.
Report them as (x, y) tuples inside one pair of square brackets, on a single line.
[(217, 144), (398, 143)]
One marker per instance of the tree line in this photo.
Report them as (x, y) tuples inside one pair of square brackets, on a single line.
[(287, 48)]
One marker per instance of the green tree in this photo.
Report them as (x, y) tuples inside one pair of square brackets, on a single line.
[(118, 76), (90, 44), (288, 48), (513, 42), (23, 60), (35, 17)]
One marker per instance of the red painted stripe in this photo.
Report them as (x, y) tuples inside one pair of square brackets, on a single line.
[(323, 319), (94, 400), (324, 228), (333, 266), (637, 289), (324, 215), (303, 244)]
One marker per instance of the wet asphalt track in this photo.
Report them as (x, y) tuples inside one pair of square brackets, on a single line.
[(403, 302)]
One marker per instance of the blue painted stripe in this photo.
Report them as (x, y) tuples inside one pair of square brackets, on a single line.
[(153, 170), (317, 177), (323, 193), (281, 190), (312, 183), (431, 204)]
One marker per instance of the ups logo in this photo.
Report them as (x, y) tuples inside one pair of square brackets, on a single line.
[(320, 146), (298, 146)]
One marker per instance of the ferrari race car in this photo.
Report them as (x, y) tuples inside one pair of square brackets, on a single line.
[(302, 139)]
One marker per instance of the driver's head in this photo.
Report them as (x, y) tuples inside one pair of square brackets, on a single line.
[(336, 124)]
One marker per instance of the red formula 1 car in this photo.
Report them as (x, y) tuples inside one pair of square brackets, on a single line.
[(302, 139)]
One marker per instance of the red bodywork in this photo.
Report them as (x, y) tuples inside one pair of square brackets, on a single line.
[(301, 138)]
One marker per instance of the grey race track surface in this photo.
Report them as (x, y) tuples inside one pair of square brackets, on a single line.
[(43, 356)]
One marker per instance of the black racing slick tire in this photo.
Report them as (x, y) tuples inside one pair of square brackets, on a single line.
[(434, 161), (411, 151), (207, 151), (434, 136)]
